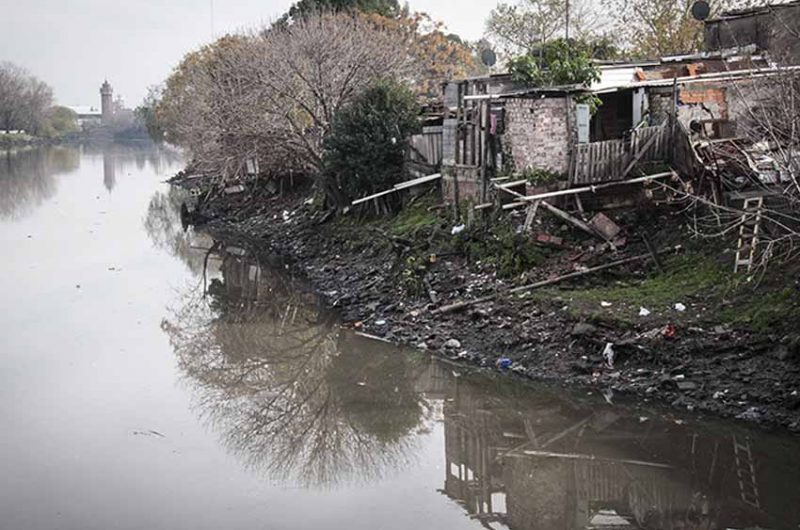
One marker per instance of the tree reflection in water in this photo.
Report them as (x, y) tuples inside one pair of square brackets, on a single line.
[(27, 177), (293, 393)]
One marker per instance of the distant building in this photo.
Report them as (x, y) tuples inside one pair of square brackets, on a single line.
[(107, 102), (111, 113), (87, 116)]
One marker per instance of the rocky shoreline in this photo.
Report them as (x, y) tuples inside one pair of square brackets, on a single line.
[(674, 357)]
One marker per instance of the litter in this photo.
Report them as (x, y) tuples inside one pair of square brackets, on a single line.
[(670, 331), (504, 363), (680, 307), (606, 304), (380, 322), (452, 344), (458, 229), (608, 354), (644, 312)]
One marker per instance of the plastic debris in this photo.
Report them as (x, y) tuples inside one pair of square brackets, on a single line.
[(380, 322), (644, 312), (670, 331), (606, 304), (680, 307), (608, 354), (458, 229), (452, 344), (504, 363)]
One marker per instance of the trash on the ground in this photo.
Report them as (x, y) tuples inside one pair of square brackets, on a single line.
[(452, 344), (286, 215), (679, 377), (644, 312), (504, 363), (670, 331), (718, 395), (687, 385), (608, 395), (606, 304), (372, 337), (608, 354), (230, 190), (605, 226), (680, 307), (643, 419), (380, 322), (458, 229), (361, 383), (547, 239)]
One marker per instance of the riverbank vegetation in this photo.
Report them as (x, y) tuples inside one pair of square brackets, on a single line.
[(27, 109)]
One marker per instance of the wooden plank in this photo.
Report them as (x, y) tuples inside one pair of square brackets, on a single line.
[(397, 187)]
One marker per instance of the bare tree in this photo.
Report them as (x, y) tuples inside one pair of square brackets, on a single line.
[(272, 94), (24, 100)]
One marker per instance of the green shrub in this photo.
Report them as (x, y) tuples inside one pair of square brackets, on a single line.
[(559, 62), (365, 149)]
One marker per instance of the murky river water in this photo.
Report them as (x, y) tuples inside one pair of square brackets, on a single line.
[(152, 378)]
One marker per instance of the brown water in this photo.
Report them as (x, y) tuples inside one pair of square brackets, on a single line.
[(154, 378)]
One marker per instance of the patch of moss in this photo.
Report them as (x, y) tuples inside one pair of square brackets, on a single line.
[(765, 311), (686, 276), (413, 218), (499, 244)]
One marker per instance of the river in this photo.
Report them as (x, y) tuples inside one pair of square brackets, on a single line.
[(154, 378)]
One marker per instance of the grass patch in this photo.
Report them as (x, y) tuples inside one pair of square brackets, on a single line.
[(686, 276), (412, 219)]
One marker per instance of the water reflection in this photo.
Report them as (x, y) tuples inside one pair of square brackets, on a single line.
[(302, 400), (292, 393), (27, 177), (525, 459), (165, 229)]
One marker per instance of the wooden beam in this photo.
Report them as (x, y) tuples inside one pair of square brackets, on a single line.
[(401, 186), (587, 189)]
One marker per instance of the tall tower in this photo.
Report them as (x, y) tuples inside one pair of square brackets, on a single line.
[(106, 101)]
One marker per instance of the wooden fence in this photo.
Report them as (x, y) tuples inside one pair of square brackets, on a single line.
[(613, 159), (427, 147)]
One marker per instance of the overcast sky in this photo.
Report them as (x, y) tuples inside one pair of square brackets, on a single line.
[(75, 44)]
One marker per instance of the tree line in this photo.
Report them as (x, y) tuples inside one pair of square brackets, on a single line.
[(274, 94), (26, 104)]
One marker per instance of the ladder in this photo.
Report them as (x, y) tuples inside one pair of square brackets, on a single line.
[(746, 473), (748, 233)]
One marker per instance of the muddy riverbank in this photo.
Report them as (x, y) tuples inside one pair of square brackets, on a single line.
[(675, 332)]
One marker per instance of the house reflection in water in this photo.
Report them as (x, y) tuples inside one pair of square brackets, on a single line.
[(534, 460)]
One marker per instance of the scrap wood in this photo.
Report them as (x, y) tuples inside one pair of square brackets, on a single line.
[(555, 211), (532, 209), (458, 306), (587, 189), (397, 187)]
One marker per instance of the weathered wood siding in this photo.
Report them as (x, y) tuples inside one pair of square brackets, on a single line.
[(607, 161)]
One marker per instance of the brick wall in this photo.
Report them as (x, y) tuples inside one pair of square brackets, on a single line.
[(537, 134), (698, 101)]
